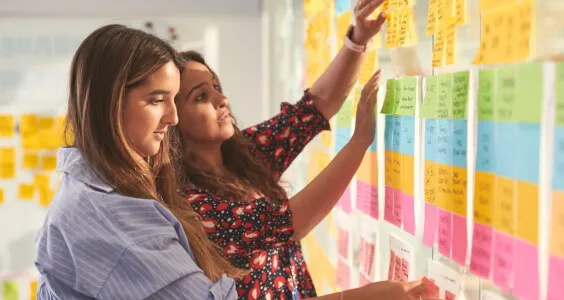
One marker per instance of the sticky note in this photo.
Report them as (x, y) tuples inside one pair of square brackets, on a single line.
[(391, 30), (41, 181), (439, 45), (11, 290), (503, 261), (460, 12), (341, 6), (504, 205), (530, 86), (481, 259), (344, 116), (484, 198), (432, 290), (408, 96), (528, 212), (520, 41), (369, 66), (555, 278), (49, 163), (486, 92), (405, 20), (1, 195), (505, 98), (429, 105), (7, 126), (33, 290), (7, 155), (28, 124), (343, 274), (430, 226), (459, 239), (8, 171), (458, 188), (391, 265), (460, 94), (389, 100), (345, 201), (559, 93), (526, 281), (488, 5), (557, 224), (444, 96), (430, 182), (30, 160), (431, 27), (450, 43), (444, 237), (26, 191), (397, 95), (408, 214), (31, 141), (343, 23)]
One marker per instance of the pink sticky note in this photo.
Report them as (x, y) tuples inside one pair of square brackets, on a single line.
[(367, 198), (526, 285), (368, 265), (556, 278), (398, 208), (343, 243), (449, 295), (389, 205), (481, 258), (430, 227), (503, 261), (397, 268), (392, 266), (364, 280), (345, 201), (361, 254), (445, 232), (459, 239), (408, 213), (404, 270), (343, 271)]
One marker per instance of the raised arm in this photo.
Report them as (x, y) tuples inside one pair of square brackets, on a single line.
[(335, 83), (317, 199)]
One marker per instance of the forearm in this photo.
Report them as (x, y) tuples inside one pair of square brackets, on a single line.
[(335, 83), (317, 199)]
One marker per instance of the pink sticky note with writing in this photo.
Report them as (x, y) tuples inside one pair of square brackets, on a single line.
[(503, 261), (555, 278), (343, 271), (345, 201), (398, 208), (459, 239), (526, 285), (389, 205), (361, 255), (392, 267), (343, 243), (368, 265), (397, 268), (445, 232), (367, 198), (481, 257), (408, 213), (430, 227), (404, 270)]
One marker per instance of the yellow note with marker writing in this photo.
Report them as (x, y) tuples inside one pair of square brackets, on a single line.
[(523, 14), (439, 46), (460, 12), (7, 126), (431, 27), (49, 163), (450, 44), (368, 68), (30, 160), (26, 191)]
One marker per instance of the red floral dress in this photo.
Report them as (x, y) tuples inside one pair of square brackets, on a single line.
[(254, 234)]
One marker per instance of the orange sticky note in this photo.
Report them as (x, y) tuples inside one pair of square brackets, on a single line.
[(528, 212), (484, 194), (504, 205), (7, 126), (49, 163), (30, 160), (557, 224), (26, 191)]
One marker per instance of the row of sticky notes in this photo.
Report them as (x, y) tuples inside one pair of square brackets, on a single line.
[(27, 191), (446, 96), (37, 132), (506, 34), (30, 161), (443, 18), (401, 96)]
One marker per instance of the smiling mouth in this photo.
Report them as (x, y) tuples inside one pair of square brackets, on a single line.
[(224, 117)]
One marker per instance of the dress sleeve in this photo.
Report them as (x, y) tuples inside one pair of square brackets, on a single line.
[(282, 138), (161, 268)]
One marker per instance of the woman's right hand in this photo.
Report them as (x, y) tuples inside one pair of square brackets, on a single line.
[(389, 290)]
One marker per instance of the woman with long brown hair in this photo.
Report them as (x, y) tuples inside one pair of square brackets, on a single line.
[(116, 228), (231, 177)]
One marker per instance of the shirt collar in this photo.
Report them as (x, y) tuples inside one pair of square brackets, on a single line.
[(71, 161)]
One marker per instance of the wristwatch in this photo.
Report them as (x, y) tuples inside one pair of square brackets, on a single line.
[(351, 45)]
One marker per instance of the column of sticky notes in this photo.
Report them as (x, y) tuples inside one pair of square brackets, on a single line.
[(399, 107), (400, 31), (556, 249), (507, 27), (443, 18)]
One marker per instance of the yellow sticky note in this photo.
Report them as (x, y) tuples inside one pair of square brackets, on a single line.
[(7, 126), (28, 124), (444, 187), (343, 23), (459, 190), (450, 40), (523, 14), (412, 40), (326, 138), (49, 163), (439, 46), (7, 155), (504, 205), (431, 27), (489, 5), (26, 191), (391, 30), (528, 212), (444, 10), (45, 197), (41, 181), (1, 195), (557, 224), (355, 95), (484, 194), (8, 171), (46, 132), (30, 160), (31, 141), (33, 290), (388, 165), (368, 68), (404, 20), (494, 34), (460, 12)]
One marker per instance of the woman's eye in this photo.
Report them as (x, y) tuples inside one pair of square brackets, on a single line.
[(201, 97), (156, 101), (217, 87)]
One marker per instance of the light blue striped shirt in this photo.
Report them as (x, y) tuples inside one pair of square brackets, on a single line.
[(98, 244)]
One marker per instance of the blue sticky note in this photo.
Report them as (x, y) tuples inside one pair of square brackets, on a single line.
[(396, 134), (558, 159), (341, 6), (459, 143), (343, 136), (407, 142), (527, 152), (443, 150), (505, 143), (430, 139), (388, 132), (486, 149)]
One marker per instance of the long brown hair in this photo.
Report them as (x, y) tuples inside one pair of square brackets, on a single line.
[(247, 173), (109, 61)]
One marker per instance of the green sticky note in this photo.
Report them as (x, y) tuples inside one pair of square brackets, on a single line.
[(444, 96), (11, 290), (460, 94), (505, 100), (559, 93), (397, 96), (344, 116), (486, 92), (408, 96), (529, 99), (389, 101), (429, 105)]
